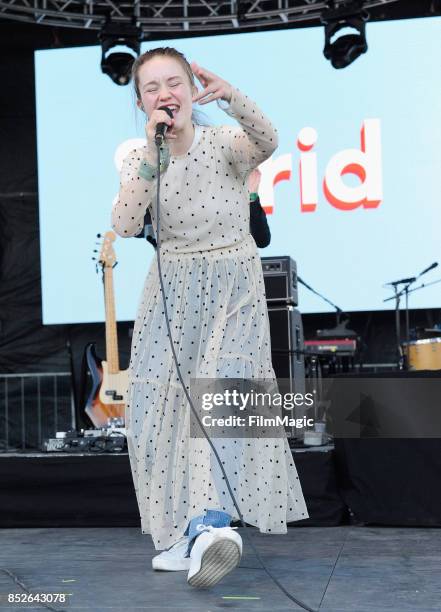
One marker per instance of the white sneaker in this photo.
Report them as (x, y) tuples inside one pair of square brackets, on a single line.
[(173, 559), (216, 551)]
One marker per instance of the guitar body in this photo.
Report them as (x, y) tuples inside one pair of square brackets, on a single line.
[(104, 401)]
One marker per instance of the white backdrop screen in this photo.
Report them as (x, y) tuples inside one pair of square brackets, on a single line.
[(352, 192)]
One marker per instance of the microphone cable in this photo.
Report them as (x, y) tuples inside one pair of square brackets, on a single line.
[(158, 248)]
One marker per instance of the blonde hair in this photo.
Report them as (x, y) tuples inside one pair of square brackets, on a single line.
[(197, 116)]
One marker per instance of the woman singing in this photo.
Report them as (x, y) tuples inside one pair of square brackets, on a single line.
[(218, 319)]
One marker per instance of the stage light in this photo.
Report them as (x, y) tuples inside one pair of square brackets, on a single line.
[(117, 64), (347, 47)]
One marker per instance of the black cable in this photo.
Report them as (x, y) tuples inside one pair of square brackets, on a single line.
[(158, 250)]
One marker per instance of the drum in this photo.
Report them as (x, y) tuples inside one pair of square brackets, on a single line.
[(423, 354)]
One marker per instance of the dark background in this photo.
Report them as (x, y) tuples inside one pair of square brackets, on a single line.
[(25, 344)]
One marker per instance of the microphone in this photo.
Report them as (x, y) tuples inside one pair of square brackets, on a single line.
[(161, 128), (434, 265)]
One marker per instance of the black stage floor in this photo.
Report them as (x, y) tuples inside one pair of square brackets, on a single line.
[(330, 568)]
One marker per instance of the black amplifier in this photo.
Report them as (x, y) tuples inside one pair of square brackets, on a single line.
[(280, 277), (287, 344), (287, 351)]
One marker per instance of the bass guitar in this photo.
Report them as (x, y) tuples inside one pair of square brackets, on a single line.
[(107, 399)]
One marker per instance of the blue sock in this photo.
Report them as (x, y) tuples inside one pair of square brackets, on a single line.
[(215, 518)]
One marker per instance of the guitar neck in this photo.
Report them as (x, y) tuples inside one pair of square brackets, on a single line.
[(112, 355)]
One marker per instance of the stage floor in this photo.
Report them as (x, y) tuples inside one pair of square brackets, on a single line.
[(330, 568)]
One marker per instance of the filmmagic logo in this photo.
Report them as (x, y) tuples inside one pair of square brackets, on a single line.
[(364, 163), (256, 420)]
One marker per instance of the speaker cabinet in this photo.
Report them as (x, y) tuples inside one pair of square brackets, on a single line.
[(287, 347), (280, 277)]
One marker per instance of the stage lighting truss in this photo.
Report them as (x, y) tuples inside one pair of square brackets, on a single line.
[(170, 16)]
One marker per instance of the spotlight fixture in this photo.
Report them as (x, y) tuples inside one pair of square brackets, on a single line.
[(118, 64), (346, 48)]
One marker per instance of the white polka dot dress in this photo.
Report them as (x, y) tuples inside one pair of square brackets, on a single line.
[(219, 322)]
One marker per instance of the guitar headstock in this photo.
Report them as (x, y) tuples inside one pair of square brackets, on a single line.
[(107, 257)]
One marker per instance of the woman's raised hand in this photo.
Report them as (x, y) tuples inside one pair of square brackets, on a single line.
[(214, 86)]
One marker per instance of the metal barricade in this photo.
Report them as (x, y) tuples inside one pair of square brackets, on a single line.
[(34, 407)]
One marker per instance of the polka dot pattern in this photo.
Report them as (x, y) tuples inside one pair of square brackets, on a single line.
[(219, 323)]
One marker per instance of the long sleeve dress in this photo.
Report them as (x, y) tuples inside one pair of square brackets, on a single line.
[(219, 322)]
